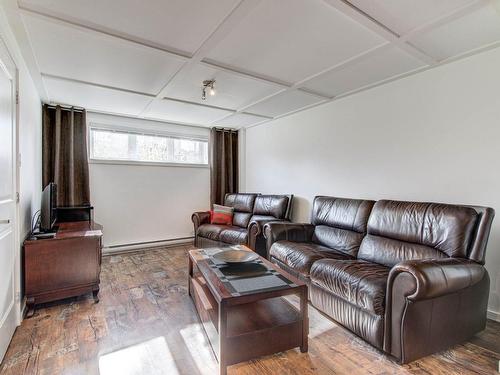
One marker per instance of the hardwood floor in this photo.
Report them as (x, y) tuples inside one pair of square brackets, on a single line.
[(146, 324)]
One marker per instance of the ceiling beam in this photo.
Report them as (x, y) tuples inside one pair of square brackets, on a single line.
[(378, 28), (241, 10), (88, 26), (488, 47), (221, 31), (94, 84), (444, 19), (244, 73), (60, 78), (392, 38)]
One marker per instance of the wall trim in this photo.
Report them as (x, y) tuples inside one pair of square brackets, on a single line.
[(124, 248), (493, 315)]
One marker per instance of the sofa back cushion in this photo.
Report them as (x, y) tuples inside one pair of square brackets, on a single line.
[(399, 231), (340, 223), (243, 204), (273, 206)]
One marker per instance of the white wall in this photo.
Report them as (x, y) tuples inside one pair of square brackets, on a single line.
[(147, 203), (434, 136)]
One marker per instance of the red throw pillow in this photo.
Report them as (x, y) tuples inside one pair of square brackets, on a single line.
[(221, 215)]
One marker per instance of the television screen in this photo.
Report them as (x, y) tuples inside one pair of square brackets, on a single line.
[(48, 212)]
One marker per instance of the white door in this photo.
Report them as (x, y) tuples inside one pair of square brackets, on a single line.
[(8, 247)]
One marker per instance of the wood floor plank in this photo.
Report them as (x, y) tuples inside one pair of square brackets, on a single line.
[(145, 324)]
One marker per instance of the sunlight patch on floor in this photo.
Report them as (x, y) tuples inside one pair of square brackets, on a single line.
[(199, 348), (318, 324), (151, 357)]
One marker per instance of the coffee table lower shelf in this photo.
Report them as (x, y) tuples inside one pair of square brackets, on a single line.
[(248, 330)]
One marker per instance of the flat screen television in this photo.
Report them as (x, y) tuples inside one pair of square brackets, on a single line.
[(48, 212)]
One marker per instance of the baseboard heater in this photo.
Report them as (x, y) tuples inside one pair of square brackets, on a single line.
[(146, 244)]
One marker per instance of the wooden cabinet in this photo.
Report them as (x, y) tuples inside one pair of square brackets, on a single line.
[(65, 266)]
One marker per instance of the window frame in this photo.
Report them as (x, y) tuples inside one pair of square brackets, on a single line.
[(129, 130)]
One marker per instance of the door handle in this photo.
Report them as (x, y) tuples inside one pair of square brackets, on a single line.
[(5, 221)]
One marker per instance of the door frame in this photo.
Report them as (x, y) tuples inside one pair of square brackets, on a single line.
[(17, 214), (17, 183)]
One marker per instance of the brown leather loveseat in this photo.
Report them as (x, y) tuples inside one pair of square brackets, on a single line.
[(251, 212), (407, 277)]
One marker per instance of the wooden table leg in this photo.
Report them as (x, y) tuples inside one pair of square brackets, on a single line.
[(222, 339), (305, 320)]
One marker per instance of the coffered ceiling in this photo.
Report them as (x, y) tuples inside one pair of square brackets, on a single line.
[(269, 58)]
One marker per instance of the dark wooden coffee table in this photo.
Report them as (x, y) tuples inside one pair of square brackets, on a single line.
[(242, 310)]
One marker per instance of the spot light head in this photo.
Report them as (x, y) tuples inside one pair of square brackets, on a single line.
[(208, 85)]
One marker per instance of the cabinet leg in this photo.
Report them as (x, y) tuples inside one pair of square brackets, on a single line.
[(95, 295), (30, 306)]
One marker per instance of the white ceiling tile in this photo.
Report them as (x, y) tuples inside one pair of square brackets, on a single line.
[(232, 91), (383, 64), (472, 31), (240, 119), (94, 97), (175, 111), (284, 103), (70, 52), (402, 16), (293, 41), (181, 24)]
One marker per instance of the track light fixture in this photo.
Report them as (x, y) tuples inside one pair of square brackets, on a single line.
[(208, 85)]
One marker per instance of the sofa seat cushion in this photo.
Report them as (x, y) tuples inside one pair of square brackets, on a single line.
[(359, 282), (211, 231), (234, 235), (300, 256)]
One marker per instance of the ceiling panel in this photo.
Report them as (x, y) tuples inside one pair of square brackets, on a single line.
[(94, 97), (284, 103), (70, 52), (383, 64), (175, 111), (181, 24), (233, 91), (472, 31), (402, 16), (240, 119), (293, 41)]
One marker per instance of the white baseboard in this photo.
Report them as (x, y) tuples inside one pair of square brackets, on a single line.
[(124, 248), (494, 315)]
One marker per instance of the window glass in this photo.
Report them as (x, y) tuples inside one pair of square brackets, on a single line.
[(126, 146)]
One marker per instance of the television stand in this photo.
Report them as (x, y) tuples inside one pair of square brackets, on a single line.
[(65, 265)]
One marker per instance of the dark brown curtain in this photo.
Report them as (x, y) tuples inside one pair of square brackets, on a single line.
[(223, 163), (64, 154)]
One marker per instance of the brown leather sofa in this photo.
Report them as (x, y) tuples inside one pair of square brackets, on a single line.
[(251, 212), (407, 277)]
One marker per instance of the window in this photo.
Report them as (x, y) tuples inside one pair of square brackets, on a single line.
[(124, 146)]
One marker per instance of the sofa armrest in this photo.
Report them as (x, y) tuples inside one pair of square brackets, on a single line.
[(433, 304), (199, 218), (256, 228), (434, 277), (280, 231)]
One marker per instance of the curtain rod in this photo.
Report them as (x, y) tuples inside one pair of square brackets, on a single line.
[(65, 107), (226, 129)]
